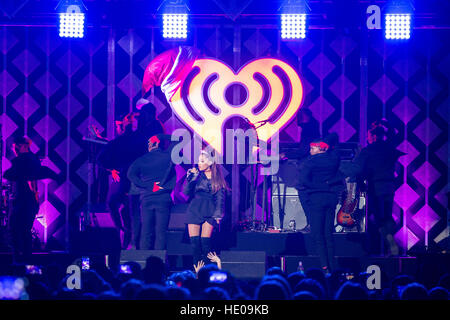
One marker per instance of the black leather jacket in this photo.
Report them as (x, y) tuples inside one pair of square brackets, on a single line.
[(200, 185), (318, 170)]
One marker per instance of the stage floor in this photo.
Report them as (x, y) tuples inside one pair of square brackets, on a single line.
[(284, 243), (252, 253)]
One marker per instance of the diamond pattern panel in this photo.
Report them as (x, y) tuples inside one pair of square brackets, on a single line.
[(343, 88), (428, 88), (406, 68), (426, 218), (91, 86), (405, 110), (68, 150), (426, 174), (384, 88), (321, 66), (67, 193), (8, 83), (130, 85), (343, 129), (47, 128), (427, 131), (343, 46), (410, 153), (41, 98), (47, 85), (26, 105), (69, 63), (406, 238), (405, 196), (26, 62), (409, 88), (69, 107)]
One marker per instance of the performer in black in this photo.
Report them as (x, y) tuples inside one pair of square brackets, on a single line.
[(376, 163), (154, 174), (207, 187), (148, 126), (319, 168), (25, 170), (310, 132), (117, 157)]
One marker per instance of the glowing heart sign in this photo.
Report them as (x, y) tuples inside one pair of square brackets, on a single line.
[(274, 95)]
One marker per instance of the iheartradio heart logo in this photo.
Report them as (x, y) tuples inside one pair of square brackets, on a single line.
[(274, 94)]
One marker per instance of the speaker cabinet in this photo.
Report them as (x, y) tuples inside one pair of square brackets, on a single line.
[(286, 209), (244, 264), (279, 187)]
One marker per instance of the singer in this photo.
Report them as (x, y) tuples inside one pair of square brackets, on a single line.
[(206, 187)]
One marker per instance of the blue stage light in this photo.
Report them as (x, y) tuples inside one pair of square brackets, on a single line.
[(71, 25), (293, 26), (175, 26), (397, 26), (71, 18)]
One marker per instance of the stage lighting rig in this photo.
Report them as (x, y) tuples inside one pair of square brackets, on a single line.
[(71, 18), (174, 19), (293, 19), (398, 20)]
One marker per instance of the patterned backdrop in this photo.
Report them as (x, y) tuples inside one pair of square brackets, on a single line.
[(52, 89)]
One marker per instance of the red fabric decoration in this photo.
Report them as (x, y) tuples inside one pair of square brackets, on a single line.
[(169, 69), (154, 139), (155, 187), (320, 144)]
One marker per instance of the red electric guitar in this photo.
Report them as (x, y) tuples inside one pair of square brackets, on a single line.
[(345, 217)]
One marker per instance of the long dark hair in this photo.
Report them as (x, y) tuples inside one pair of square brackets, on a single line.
[(217, 180)]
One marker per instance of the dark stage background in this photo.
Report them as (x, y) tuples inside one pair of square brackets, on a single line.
[(52, 89)]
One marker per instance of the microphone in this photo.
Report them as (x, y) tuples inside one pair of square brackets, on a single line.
[(191, 174)]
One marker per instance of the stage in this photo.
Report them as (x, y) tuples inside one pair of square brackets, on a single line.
[(247, 255), (134, 121)]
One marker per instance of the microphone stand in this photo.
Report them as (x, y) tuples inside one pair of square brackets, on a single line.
[(254, 178), (93, 139)]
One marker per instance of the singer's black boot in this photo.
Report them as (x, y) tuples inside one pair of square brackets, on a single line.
[(206, 248), (196, 250)]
